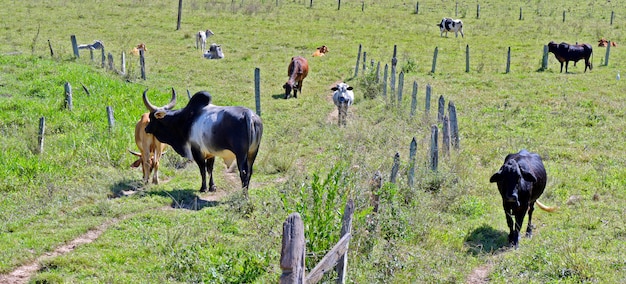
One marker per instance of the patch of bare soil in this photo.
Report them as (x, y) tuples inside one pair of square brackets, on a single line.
[(480, 274), (23, 273)]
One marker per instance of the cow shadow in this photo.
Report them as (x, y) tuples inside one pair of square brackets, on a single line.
[(280, 96), (181, 198), (486, 239)]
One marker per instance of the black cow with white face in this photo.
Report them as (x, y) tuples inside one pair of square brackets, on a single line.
[(521, 180), (202, 131)]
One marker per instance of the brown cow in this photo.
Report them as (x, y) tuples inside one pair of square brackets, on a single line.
[(297, 71), (321, 51), (150, 149), (139, 47), (604, 43)]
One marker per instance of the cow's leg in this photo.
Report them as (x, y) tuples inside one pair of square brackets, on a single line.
[(512, 233), (529, 228), (146, 167), (566, 65), (519, 219), (561, 67), (209, 166)]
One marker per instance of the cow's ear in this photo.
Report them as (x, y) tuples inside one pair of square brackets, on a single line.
[(526, 173), (160, 114), (496, 177), (350, 88), (334, 88)]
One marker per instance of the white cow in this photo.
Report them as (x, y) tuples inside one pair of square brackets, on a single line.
[(201, 37), (343, 94), (214, 52), (451, 25)]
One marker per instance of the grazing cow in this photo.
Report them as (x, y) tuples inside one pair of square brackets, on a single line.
[(521, 180), (214, 52), (201, 37), (297, 71), (451, 25), (139, 47), (150, 150), (321, 51), (565, 53), (202, 131), (604, 43)]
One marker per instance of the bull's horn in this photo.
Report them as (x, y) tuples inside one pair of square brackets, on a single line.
[(147, 103), (172, 102)]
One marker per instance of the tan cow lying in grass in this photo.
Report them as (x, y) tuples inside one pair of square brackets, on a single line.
[(321, 51), (150, 149)]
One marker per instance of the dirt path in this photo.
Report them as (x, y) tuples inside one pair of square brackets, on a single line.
[(23, 273), (479, 275)]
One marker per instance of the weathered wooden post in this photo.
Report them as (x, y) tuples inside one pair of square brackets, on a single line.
[(395, 168), (85, 89), (42, 131), (363, 6), (180, 13), (432, 70), (123, 67), (74, 46), (608, 51), (50, 47), (91, 54), (68, 96), (417, 7), (110, 117), (400, 88), (358, 58), (188, 94), (563, 16), (142, 62), (385, 75), (612, 16), (338, 5), (257, 90), (378, 72), (311, 4), (508, 60), (102, 57), (427, 100), (440, 108), (520, 13), (467, 58), (445, 136), (346, 228), (377, 184), (394, 62), (364, 61), (292, 250), (456, 9), (434, 151), (110, 61), (477, 11), (454, 126), (544, 59), (414, 99), (412, 153)]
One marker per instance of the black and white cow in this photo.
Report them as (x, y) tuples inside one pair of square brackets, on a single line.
[(451, 25), (343, 94), (202, 131), (565, 53), (214, 52), (521, 180)]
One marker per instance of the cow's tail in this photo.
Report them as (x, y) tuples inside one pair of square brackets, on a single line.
[(545, 208)]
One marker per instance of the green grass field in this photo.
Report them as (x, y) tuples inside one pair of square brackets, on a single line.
[(448, 228)]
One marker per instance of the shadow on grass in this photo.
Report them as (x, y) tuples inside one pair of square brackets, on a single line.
[(280, 96), (486, 239), (181, 198)]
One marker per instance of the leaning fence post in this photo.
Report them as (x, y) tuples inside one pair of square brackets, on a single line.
[(412, 153), (110, 117), (508, 60), (432, 70), (142, 62), (358, 58), (467, 59), (445, 136), (544, 60), (257, 90), (346, 228), (440, 108), (68, 96), (434, 151), (42, 130), (292, 250), (50, 47), (74, 46), (395, 167), (414, 99), (454, 126), (608, 51)]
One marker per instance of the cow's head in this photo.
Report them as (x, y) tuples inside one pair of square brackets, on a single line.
[(509, 179), (158, 112), (323, 49)]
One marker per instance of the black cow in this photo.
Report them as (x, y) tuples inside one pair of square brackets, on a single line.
[(201, 131), (565, 52), (521, 180)]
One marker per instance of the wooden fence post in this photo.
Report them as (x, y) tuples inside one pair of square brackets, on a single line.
[(329, 260), (454, 126), (123, 66), (456, 9), (180, 12), (427, 100), (378, 72), (612, 16), (257, 90), (338, 5), (385, 75), (563, 16), (68, 96), (74, 46), (412, 153), (392, 95), (346, 228), (467, 59), (110, 61), (432, 70), (50, 47), (440, 108), (445, 147), (544, 59), (377, 184), (417, 7), (478, 11), (364, 61), (42, 130), (142, 62), (400, 88), (110, 117), (414, 99), (102, 58), (188, 94), (358, 58), (434, 151), (508, 60), (608, 51), (395, 167), (292, 250)]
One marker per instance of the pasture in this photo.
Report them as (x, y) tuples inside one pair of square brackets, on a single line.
[(449, 227)]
